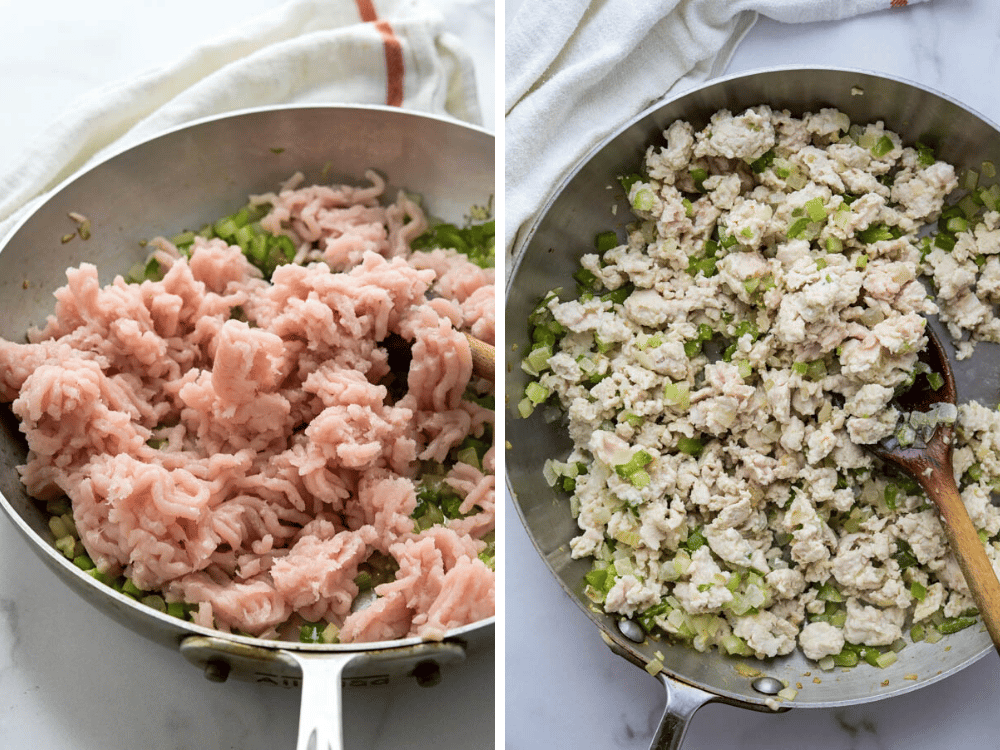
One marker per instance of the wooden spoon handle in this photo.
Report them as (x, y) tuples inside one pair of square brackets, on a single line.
[(483, 358), (967, 547)]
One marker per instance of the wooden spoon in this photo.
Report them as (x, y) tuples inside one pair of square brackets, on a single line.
[(931, 466), (483, 357)]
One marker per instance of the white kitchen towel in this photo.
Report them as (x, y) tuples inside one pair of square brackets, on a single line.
[(577, 68), (304, 51)]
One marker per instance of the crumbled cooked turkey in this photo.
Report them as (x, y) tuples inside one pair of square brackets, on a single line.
[(724, 367)]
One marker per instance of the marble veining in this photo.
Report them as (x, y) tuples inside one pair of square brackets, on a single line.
[(9, 628)]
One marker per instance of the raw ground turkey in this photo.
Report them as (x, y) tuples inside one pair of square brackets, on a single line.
[(232, 442)]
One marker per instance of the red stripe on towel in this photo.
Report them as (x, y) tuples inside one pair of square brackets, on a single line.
[(898, 3), (394, 67)]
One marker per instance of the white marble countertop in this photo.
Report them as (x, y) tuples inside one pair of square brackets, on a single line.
[(583, 696), (70, 676)]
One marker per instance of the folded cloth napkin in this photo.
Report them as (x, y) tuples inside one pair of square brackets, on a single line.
[(304, 51), (577, 68)]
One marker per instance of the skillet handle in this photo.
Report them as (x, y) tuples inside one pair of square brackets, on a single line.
[(320, 673), (321, 725), (682, 701)]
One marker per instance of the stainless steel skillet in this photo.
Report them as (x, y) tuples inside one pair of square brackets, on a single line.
[(183, 179), (579, 208)]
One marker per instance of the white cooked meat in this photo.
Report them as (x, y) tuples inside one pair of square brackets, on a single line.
[(723, 369)]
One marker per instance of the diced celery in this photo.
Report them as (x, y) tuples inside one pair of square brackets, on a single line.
[(815, 209), (468, 456), (925, 155), (587, 280), (954, 624), (745, 327), (727, 240), (183, 239), (933, 635), (633, 419), (695, 540), (627, 181), (619, 295), (525, 407), (67, 545), (538, 359), (846, 658), (798, 227), (944, 241), (699, 176), (155, 601), (763, 162), (652, 342), (734, 645), (788, 693), (829, 593), (536, 392), (891, 496), (131, 589), (643, 199), (330, 634), (639, 479), (58, 527), (631, 539), (991, 197), (677, 394), (957, 224), (969, 206), (885, 659), (606, 241), (638, 460), (226, 227), (690, 446), (876, 233), (882, 147)]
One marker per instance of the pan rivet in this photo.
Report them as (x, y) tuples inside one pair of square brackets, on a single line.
[(216, 670), (427, 673), (631, 630), (767, 685)]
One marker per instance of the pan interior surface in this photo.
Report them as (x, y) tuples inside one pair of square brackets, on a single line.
[(584, 205), (183, 180)]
